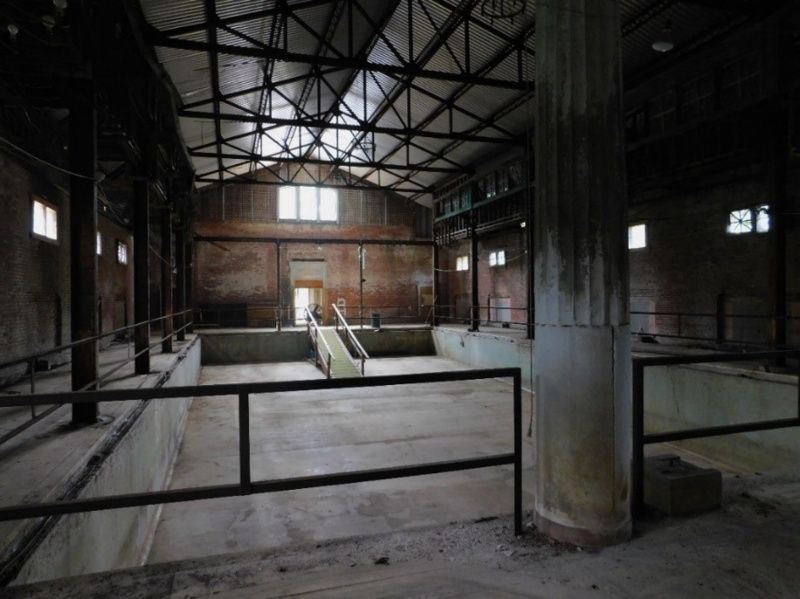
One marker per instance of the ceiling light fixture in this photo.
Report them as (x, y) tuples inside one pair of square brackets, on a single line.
[(664, 42), (502, 9), (13, 31), (49, 22)]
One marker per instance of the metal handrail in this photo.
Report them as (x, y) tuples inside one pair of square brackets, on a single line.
[(316, 337), (72, 344), (640, 439), (31, 360), (246, 485), (351, 335)]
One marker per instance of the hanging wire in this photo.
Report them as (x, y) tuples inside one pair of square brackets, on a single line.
[(45, 162)]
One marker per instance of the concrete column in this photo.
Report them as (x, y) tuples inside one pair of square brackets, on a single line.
[(583, 361), (166, 280), (180, 278), (141, 273), (82, 243)]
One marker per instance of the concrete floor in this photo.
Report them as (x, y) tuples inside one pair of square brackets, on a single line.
[(40, 461), (748, 548), (303, 433)]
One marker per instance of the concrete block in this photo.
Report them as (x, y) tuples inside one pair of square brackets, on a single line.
[(679, 488)]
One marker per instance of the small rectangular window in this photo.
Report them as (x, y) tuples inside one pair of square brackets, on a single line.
[(497, 258), (308, 203), (740, 222), (45, 220), (287, 203), (99, 244), (122, 252), (462, 263), (763, 222), (637, 237), (328, 205)]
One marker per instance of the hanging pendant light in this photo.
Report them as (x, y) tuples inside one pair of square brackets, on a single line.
[(502, 9), (664, 42)]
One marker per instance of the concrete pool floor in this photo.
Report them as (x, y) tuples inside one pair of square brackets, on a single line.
[(303, 433), (748, 548)]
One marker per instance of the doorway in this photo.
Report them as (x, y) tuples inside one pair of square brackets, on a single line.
[(303, 297)]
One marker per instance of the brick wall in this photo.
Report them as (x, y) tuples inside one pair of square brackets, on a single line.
[(230, 272), (115, 280), (690, 261), (35, 286), (505, 285)]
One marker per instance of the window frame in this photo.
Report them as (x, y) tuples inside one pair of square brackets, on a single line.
[(462, 263), (318, 193), (122, 244), (46, 205), (98, 244), (631, 228), (497, 258), (754, 213)]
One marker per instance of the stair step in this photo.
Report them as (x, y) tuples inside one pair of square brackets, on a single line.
[(342, 365)]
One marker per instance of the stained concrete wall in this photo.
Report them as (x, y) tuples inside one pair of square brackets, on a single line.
[(685, 397), (141, 461), (396, 342), (246, 347), (486, 350)]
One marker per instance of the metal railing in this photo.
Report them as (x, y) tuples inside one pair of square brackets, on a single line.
[(98, 382), (246, 485), (448, 312), (716, 323), (264, 315), (338, 318), (640, 439), (315, 335)]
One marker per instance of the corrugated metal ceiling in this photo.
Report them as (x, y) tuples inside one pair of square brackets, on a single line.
[(387, 102)]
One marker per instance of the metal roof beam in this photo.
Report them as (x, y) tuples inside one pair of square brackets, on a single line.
[(279, 10), (245, 157), (361, 127), (366, 187), (409, 71)]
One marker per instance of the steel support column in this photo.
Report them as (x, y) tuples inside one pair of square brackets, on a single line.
[(166, 280), (435, 319), (189, 275), (279, 315), (475, 311), (777, 174), (83, 244), (361, 284), (180, 279), (141, 273)]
